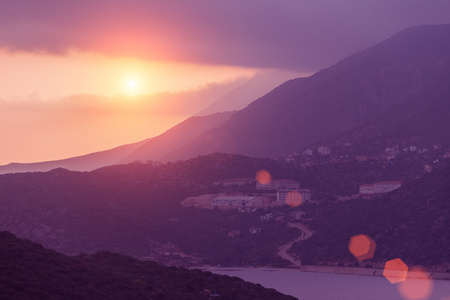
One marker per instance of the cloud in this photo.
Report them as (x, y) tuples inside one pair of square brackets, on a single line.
[(298, 34)]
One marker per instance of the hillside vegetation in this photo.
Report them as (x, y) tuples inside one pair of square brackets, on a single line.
[(411, 223), (136, 210), (29, 271)]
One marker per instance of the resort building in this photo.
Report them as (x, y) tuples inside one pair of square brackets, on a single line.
[(295, 196), (379, 188), (236, 201)]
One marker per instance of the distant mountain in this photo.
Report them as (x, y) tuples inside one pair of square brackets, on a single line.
[(397, 88), (87, 162), (357, 90), (154, 149), (262, 83), (158, 148), (31, 272)]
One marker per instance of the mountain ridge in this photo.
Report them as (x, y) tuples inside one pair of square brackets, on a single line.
[(86, 162), (262, 83), (181, 134), (151, 149), (353, 91), (358, 90)]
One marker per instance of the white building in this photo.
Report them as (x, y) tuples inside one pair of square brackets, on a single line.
[(255, 230), (266, 218), (392, 151), (308, 152), (324, 150), (379, 188), (236, 201), (297, 195)]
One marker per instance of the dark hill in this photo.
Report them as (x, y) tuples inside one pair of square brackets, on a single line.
[(28, 271), (354, 91), (136, 210)]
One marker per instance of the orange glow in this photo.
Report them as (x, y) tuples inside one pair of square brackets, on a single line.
[(294, 199), (263, 177), (395, 270), (132, 86), (417, 286), (362, 247), (50, 76), (78, 103)]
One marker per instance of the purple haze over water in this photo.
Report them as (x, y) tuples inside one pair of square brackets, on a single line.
[(322, 286)]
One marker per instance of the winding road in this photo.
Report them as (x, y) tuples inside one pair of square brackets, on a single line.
[(283, 250)]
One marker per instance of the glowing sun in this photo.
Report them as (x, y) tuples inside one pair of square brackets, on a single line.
[(132, 86)]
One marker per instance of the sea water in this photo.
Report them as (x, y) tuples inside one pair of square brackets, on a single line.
[(325, 286)]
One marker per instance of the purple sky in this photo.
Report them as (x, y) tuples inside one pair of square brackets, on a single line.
[(301, 34)]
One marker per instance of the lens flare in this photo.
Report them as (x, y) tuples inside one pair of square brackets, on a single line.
[(417, 285), (362, 247), (395, 270), (263, 177), (294, 199)]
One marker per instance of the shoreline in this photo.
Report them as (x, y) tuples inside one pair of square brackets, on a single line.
[(335, 270)]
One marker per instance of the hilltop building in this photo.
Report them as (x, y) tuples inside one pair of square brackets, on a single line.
[(379, 188), (308, 152), (392, 151), (324, 150), (303, 195), (236, 201)]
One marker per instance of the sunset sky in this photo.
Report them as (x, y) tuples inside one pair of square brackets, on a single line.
[(83, 76)]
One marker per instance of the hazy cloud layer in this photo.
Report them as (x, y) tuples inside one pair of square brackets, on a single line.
[(81, 124), (301, 34)]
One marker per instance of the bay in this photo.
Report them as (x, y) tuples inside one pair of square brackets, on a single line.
[(325, 286)]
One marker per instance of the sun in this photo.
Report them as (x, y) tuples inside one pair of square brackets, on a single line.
[(132, 86)]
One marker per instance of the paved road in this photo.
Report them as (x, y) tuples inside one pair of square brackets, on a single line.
[(283, 250)]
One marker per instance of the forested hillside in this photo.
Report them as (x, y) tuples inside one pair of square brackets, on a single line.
[(411, 223), (136, 210), (29, 271)]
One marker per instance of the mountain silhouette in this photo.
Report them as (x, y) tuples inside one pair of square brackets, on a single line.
[(157, 148), (357, 90), (153, 149), (262, 83), (86, 162), (397, 87)]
